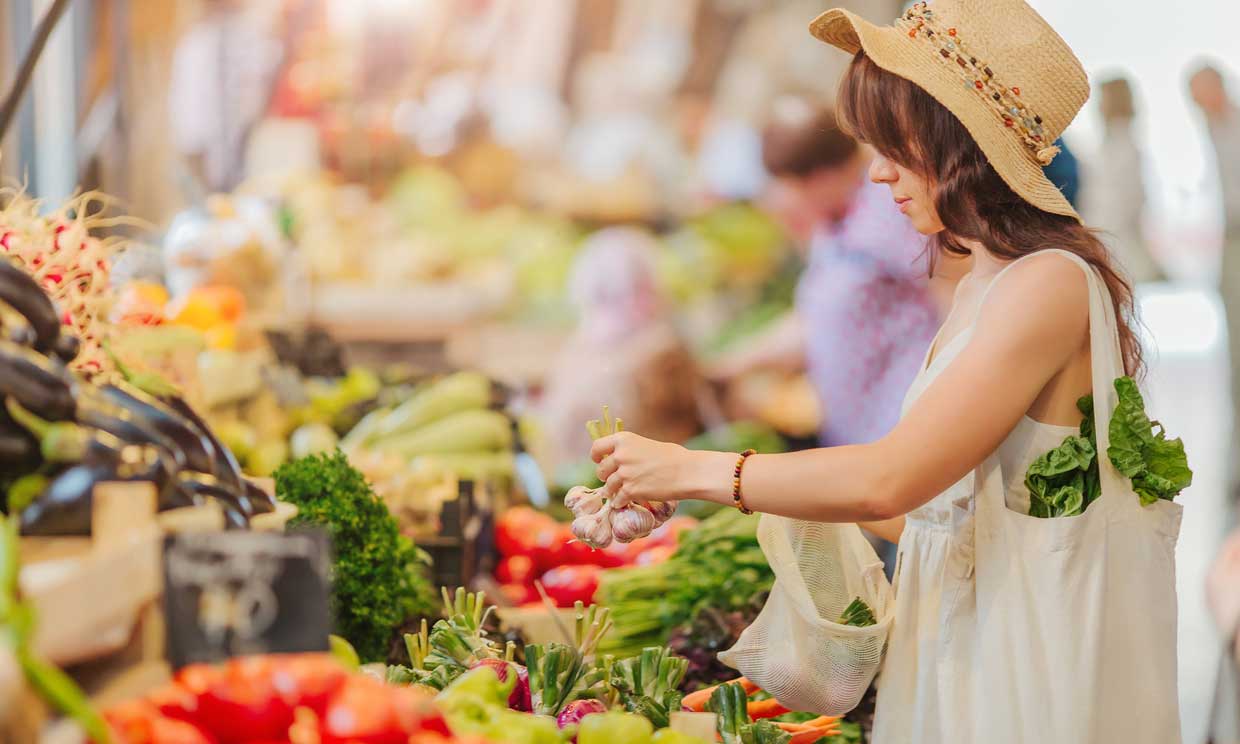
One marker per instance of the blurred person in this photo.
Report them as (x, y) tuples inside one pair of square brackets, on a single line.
[(1115, 188), (223, 69), (1222, 118), (624, 351), (864, 312), (1223, 596)]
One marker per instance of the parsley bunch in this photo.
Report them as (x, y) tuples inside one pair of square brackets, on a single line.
[(378, 575)]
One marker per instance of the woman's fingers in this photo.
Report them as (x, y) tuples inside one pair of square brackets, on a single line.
[(614, 486), (603, 447), (606, 468)]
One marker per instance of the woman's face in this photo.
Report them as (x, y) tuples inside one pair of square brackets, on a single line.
[(911, 192)]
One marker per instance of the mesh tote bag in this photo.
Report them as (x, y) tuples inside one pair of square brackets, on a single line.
[(796, 649)]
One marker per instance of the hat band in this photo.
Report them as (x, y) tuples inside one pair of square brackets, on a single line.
[(921, 23)]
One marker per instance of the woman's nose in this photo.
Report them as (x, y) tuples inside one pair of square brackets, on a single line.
[(882, 170)]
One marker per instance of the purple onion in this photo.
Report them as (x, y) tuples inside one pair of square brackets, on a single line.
[(519, 699), (577, 710)]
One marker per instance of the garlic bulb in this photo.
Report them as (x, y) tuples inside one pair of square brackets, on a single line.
[(632, 522), (595, 529), (662, 510), (581, 500)]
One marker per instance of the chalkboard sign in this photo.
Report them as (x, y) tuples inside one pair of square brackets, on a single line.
[(239, 593)]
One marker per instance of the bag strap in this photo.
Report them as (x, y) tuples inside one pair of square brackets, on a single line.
[(1106, 362)]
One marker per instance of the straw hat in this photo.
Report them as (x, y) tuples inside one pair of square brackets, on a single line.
[(996, 64)]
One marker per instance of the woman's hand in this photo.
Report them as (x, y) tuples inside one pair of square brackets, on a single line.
[(638, 469)]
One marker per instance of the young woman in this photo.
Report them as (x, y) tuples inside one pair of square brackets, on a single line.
[(1007, 627)]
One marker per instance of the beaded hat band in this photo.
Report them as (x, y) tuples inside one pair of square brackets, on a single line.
[(1007, 76), (920, 23)]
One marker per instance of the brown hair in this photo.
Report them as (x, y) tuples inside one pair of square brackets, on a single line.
[(1115, 100), (804, 147), (908, 126)]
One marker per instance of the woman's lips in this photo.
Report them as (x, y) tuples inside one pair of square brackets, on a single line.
[(904, 201)]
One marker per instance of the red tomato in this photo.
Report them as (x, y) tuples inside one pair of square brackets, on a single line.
[(367, 711), (549, 545), (140, 722), (568, 584), (516, 527), (515, 569), (237, 701), (307, 680)]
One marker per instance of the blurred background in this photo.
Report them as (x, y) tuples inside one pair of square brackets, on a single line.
[(312, 203)]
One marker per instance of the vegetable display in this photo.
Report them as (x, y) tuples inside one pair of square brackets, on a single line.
[(719, 564), (1064, 481), (377, 574), (596, 520)]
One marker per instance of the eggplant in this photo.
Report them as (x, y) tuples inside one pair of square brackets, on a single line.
[(227, 469), (64, 508), (260, 500), (67, 347), (237, 507), (20, 291), (101, 414), (42, 385), (185, 434)]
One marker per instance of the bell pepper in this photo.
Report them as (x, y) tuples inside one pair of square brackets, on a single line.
[(614, 728), (567, 585)]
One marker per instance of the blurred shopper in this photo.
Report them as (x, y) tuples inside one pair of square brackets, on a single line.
[(1222, 118), (864, 313), (1115, 189), (624, 351), (1223, 595), (222, 74)]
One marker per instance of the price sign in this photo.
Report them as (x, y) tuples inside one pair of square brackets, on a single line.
[(239, 593)]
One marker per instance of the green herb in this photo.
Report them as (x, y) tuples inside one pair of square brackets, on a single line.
[(718, 564), (730, 703), (649, 684), (1064, 481), (858, 614), (378, 579)]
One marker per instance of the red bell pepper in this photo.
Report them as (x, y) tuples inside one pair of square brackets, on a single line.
[(515, 569), (568, 584)]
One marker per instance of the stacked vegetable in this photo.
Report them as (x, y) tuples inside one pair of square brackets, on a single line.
[(378, 579), (534, 547), (717, 566), (1064, 481), (61, 434)]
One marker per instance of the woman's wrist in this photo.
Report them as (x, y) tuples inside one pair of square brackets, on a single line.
[(710, 476)]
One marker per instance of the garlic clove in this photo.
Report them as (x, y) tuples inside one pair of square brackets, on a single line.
[(581, 500), (594, 530), (632, 522)]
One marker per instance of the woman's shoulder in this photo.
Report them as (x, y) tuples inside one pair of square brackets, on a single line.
[(1043, 295)]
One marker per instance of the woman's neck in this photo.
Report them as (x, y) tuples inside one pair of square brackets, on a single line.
[(985, 263)]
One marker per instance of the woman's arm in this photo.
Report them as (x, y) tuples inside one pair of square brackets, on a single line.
[(890, 529), (1031, 327)]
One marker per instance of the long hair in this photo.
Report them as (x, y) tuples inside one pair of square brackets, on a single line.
[(908, 126)]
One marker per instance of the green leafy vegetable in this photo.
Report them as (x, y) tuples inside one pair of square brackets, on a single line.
[(1064, 481), (648, 684), (378, 578), (858, 614)]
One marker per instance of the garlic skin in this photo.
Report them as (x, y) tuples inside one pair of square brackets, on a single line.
[(581, 500), (594, 530), (632, 522), (662, 510)]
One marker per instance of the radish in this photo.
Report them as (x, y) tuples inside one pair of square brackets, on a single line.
[(577, 710), (519, 699)]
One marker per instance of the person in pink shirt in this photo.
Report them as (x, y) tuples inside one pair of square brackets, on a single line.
[(866, 309)]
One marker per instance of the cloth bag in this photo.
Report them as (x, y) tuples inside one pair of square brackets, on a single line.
[(796, 649), (1074, 638)]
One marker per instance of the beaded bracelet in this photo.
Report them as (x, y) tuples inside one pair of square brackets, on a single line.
[(736, 481)]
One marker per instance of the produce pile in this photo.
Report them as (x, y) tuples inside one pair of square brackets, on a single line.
[(717, 567), (64, 433), (379, 576), (533, 546)]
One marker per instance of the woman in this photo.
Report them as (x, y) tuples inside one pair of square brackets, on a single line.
[(1115, 192), (864, 313), (1007, 627)]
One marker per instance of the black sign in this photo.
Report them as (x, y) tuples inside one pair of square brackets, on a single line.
[(239, 593)]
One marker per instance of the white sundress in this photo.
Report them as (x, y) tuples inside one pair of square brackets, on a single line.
[(935, 689)]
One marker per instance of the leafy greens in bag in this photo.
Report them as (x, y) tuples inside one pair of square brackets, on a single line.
[(1064, 481)]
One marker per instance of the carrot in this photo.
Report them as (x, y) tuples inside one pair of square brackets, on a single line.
[(822, 721), (696, 701), (770, 708), (809, 736)]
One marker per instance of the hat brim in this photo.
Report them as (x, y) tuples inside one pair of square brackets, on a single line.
[(895, 52)]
